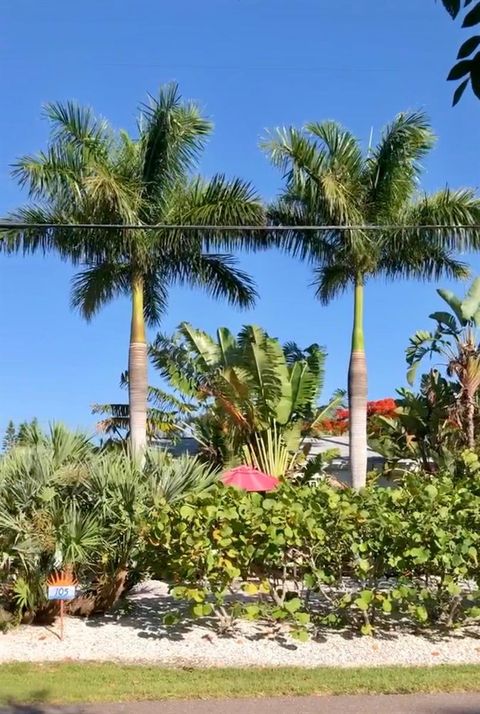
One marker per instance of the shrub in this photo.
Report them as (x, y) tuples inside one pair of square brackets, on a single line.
[(314, 556), (64, 505)]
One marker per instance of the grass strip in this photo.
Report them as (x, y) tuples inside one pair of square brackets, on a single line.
[(64, 683)]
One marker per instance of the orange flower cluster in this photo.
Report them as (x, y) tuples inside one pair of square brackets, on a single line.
[(339, 423)]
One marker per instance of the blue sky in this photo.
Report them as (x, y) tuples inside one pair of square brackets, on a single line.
[(251, 64)]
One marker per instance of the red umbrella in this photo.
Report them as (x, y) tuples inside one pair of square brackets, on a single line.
[(249, 479)]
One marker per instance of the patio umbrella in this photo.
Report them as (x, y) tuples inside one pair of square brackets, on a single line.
[(249, 479)]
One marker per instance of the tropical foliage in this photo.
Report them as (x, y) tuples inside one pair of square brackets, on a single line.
[(165, 417), (423, 432), (331, 182), (242, 387), (90, 174), (65, 506), (456, 341), (407, 553)]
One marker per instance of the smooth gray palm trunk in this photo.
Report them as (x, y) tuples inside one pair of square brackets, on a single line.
[(137, 394), (357, 395), (357, 398), (137, 373)]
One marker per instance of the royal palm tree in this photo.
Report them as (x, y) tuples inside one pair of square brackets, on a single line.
[(91, 174), (330, 181)]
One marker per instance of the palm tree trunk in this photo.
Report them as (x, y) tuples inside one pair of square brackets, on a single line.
[(471, 422), (137, 372), (357, 395)]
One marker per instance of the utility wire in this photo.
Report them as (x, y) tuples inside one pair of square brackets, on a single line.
[(12, 225)]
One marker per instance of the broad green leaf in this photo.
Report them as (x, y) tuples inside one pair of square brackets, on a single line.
[(293, 605), (387, 606), (453, 302), (364, 565), (300, 635), (421, 613), (252, 611), (471, 303), (303, 618), (187, 511)]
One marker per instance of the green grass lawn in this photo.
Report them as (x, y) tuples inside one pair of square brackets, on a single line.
[(89, 682)]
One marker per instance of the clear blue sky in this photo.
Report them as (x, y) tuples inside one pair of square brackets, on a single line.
[(252, 64)]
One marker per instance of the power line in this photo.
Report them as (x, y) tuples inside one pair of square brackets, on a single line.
[(13, 225)]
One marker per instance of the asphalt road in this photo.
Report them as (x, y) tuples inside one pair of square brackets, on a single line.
[(394, 704)]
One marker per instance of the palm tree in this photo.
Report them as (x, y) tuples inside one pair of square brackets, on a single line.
[(91, 174), (329, 181)]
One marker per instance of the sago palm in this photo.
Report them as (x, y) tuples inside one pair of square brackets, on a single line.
[(91, 174), (331, 181)]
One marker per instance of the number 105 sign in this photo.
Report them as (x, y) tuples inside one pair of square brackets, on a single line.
[(61, 592), (61, 586)]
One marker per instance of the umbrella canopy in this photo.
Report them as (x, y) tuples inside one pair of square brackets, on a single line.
[(249, 479)]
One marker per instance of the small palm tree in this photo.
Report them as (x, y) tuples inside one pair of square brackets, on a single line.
[(91, 174), (330, 181)]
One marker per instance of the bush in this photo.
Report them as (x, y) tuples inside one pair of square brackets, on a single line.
[(66, 506), (314, 556)]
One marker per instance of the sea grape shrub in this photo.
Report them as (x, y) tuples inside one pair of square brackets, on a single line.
[(315, 557)]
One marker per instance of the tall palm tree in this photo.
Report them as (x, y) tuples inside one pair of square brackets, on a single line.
[(330, 181), (91, 174)]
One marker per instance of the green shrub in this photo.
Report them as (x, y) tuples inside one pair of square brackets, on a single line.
[(66, 506), (315, 556)]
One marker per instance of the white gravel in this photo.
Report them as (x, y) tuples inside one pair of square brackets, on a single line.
[(140, 636)]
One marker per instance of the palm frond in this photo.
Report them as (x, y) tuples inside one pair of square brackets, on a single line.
[(171, 479), (343, 152), (29, 240), (96, 285), (454, 208), (420, 256), (77, 125), (223, 202), (219, 276), (55, 173), (173, 133), (332, 280), (393, 166), (155, 297)]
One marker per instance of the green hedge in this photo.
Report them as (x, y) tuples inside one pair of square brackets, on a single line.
[(315, 556)]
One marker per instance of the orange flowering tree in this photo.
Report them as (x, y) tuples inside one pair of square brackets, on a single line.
[(339, 423)]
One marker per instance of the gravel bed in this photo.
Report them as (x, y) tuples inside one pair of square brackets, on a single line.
[(140, 636)]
